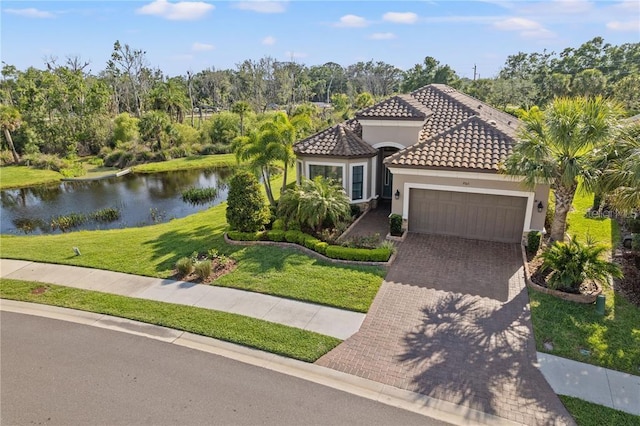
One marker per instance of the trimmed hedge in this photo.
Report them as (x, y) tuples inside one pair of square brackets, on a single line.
[(332, 251), (359, 254)]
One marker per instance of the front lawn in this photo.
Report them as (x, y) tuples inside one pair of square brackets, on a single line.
[(23, 176), (154, 250), (267, 336), (576, 331)]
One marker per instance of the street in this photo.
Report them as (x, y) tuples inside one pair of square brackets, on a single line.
[(56, 372)]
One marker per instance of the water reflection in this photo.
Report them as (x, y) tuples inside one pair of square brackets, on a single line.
[(141, 199)]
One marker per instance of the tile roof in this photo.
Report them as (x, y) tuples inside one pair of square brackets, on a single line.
[(459, 131), (472, 144), (401, 107), (341, 140)]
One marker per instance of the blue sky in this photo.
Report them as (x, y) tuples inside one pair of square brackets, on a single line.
[(193, 35)]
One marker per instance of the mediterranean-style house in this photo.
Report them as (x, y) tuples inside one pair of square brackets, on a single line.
[(435, 154)]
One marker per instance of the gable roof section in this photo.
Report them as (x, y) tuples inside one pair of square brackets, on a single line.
[(339, 141), (473, 144), (400, 107)]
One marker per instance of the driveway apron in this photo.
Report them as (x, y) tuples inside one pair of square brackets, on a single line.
[(452, 321)]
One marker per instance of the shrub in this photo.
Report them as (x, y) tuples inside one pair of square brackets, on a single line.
[(551, 212), (321, 247), (355, 210), (395, 224), (202, 269), (278, 225), (635, 243), (358, 254), (73, 170), (310, 243), (276, 235), (389, 245), (246, 205), (297, 237), (572, 263), (199, 195), (184, 266), (243, 236), (634, 224), (533, 242)]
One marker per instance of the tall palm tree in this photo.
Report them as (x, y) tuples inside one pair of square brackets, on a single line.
[(284, 132), (241, 108), (10, 121), (261, 152), (153, 125), (557, 145)]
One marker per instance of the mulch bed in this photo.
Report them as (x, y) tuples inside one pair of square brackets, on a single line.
[(217, 270), (629, 286)]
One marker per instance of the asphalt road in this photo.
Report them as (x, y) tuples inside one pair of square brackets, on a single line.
[(56, 372)]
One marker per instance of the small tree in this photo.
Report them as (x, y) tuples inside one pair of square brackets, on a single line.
[(247, 210)]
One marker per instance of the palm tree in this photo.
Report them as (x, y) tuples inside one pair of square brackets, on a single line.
[(322, 201), (10, 121), (621, 177), (261, 152), (153, 125), (241, 108), (557, 145), (572, 263), (284, 132)]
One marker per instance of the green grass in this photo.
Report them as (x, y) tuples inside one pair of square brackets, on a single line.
[(154, 250), (193, 162), (275, 338), (604, 230), (288, 273), (22, 176), (590, 414), (613, 340)]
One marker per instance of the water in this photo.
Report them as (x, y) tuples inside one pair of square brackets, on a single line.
[(142, 199)]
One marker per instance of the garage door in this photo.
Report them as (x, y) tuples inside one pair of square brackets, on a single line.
[(476, 216)]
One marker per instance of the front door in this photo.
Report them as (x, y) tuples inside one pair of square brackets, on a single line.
[(385, 179)]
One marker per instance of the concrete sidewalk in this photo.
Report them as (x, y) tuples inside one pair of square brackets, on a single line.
[(566, 377), (307, 316), (590, 383)]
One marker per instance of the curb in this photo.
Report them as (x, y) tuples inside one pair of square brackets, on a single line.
[(406, 400)]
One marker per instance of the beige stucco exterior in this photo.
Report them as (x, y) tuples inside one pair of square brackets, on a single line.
[(488, 183), (303, 163), (404, 133)]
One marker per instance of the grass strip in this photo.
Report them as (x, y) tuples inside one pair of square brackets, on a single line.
[(611, 341), (589, 414), (275, 338), (192, 162), (602, 229), (23, 176)]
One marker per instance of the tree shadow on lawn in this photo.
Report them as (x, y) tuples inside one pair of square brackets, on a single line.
[(481, 355)]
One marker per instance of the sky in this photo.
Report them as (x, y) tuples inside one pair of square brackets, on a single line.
[(181, 36)]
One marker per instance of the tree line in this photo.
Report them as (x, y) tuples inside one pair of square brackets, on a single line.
[(130, 111)]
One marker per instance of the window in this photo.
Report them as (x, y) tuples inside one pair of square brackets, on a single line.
[(328, 172), (299, 174), (357, 182)]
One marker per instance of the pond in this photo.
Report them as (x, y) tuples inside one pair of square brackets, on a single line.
[(137, 199)]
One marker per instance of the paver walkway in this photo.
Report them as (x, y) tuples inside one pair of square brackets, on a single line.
[(307, 316), (452, 322)]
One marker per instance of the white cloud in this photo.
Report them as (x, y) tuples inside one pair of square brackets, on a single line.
[(181, 11), (633, 25), (269, 41), (527, 28), (202, 47), (30, 13), (400, 17), (352, 21), (262, 6), (382, 36)]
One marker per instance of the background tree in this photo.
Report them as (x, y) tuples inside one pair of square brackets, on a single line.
[(154, 126), (557, 145), (430, 71), (10, 120), (241, 108), (246, 207)]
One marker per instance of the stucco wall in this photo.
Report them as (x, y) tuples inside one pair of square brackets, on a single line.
[(346, 164), (473, 184), (404, 133)]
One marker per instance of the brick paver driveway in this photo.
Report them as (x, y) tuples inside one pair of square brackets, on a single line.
[(452, 321)]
